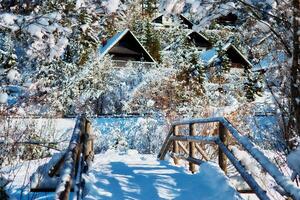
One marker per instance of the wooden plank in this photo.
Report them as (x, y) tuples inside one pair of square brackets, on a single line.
[(79, 161), (198, 138), (246, 191), (175, 145), (182, 147), (162, 153), (283, 181), (186, 158), (202, 152), (192, 149), (198, 121), (243, 172), (64, 186), (169, 141)]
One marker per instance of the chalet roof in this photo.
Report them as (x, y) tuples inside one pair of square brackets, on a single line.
[(192, 35), (228, 19), (271, 60), (209, 56), (199, 37), (183, 19), (112, 47), (186, 21)]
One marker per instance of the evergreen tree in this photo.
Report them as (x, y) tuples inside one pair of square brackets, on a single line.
[(252, 85), (222, 63), (8, 58), (152, 42), (191, 72), (149, 7)]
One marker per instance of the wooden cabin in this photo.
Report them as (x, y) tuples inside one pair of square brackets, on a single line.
[(170, 21), (230, 19), (238, 60), (192, 38), (199, 40), (125, 47)]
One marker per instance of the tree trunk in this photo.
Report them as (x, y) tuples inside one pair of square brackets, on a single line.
[(294, 120)]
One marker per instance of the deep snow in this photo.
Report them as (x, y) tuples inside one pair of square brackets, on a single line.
[(131, 175), (140, 176)]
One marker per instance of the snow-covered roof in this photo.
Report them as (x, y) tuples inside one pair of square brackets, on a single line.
[(188, 35), (271, 60), (184, 20), (209, 56), (112, 42)]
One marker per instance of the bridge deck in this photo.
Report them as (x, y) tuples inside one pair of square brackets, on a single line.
[(135, 176)]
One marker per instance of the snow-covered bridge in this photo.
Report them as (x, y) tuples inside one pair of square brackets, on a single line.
[(131, 175)]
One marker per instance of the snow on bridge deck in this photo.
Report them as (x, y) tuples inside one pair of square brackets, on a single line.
[(132, 176), (136, 176)]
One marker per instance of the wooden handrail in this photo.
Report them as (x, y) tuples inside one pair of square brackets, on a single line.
[(225, 127), (74, 161), (70, 163)]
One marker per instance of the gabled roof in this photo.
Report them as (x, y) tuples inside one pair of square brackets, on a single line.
[(229, 19), (186, 21), (194, 37), (271, 60), (209, 56), (183, 19), (111, 46), (199, 37)]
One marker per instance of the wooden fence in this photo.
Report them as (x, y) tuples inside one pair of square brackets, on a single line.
[(75, 161), (225, 130)]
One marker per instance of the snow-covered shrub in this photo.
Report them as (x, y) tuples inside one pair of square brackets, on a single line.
[(3, 98), (118, 142), (27, 139), (145, 134)]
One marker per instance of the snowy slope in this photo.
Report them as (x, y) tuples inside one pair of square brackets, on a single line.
[(137, 176)]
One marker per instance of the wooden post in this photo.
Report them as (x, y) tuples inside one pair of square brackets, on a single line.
[(175, 144), (88, 145), (223, 134), (192, 149)]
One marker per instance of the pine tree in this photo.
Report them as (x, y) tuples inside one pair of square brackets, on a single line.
[(222, 63), (252, 85), (8, 58), (149, 7), (192, 72), (152, 42)]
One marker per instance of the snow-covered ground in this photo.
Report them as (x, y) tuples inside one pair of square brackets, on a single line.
[(19, 177), (134, 176), (140, 176)]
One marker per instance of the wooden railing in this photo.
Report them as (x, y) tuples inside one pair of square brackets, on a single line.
[(74, 162), (225, 129)]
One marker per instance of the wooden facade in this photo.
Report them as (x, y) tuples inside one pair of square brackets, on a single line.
[(169, 20), (230, 19), (124, 47), (199, 40)]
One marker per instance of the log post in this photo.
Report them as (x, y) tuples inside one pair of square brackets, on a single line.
[(192, 150), (175, 144), (223, 134), (88, 145)]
